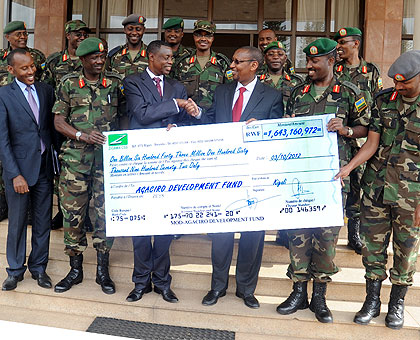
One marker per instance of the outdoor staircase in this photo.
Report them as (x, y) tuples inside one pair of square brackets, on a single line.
[(191, 272)]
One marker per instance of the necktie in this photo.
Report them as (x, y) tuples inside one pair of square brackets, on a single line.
[(157, 81), (35, 111), (237, 108)]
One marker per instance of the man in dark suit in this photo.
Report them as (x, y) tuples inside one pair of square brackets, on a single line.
[(155, 101), (25, 142), (246, 99)]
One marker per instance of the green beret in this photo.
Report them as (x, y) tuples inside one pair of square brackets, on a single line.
[(406, 66), (274, 44), (14, 26), (89, 46), (134, 19), (175, 22), (204, 25), (347, 32), (75, 25), (320, 47)]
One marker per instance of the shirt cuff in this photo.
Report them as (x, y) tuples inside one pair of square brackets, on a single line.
[(176, 104)]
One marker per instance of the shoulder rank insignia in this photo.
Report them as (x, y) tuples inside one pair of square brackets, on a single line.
[(124, 51), (104, 82), (192, 60), (81, 83), (143, 53), (5, 55), (364, 69), (229, 74), (287, 77), (394, 95), (336, 89), (306, 89), (292, 70), (65, 57), (360, 104), (213, 60), (340, 68), (263, 76), (380, 84)]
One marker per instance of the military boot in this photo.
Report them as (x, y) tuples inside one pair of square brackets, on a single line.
[(3, 207), (282, 239), (353, 235), (74, 277), (395, 316), (102, 273), (318, 304), (372, 306), (298, 299)]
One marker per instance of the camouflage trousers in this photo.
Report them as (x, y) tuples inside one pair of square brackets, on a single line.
[(378, 222), (312, 253), (74, 199), (355, 194)]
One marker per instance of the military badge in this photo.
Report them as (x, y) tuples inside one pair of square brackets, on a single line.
[(313, 50), (380, 84), (336, 89), (394, 95), (340, 68), (399, 77), (141, 19), (360, 104), (306, 89), (101, 47), (143, 53), (343, 32), (229, 74)]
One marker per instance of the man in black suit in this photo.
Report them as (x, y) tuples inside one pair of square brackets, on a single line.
[(244, 100), (25, 143), (155, 101)]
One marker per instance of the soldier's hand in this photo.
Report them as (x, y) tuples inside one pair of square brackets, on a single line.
[(20, 185), (95, 137), (344, 172), (417, 217), (289, 116), (336, 124)]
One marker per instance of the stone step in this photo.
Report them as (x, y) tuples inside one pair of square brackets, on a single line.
[(87, 300)]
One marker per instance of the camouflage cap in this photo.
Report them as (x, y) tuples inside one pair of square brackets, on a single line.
[(347, 32), (175, 22), (14, 26), (406, 66), (89, 46), (134, 19), (274, 44), (204, 25), (320, 47), (75, 25)]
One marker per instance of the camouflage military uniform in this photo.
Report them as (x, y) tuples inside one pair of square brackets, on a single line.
[(58, 65), (285, 84), (86, 107), (201, 83), (119, 60), (391, 190), (367, 78), (39, 61), (181, 53), (312, 251)]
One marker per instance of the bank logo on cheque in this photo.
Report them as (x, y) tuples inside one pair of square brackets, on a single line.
[(118, 139)]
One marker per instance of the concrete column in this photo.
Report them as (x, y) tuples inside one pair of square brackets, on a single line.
[(416, 36), (382, 35), (50, 17)]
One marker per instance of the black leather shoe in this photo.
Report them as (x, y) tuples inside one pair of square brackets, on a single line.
[(212, 297), (249, 300), (11, 282), (137, 293), (43, 279), (167, 294)]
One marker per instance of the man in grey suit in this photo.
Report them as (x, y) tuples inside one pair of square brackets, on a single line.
[(244, 100), (155, 101), (26, 127)]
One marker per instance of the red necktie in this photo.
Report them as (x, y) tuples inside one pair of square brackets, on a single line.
[(157, 81), (237, 108)]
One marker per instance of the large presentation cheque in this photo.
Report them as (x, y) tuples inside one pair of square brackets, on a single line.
[(272, 174)]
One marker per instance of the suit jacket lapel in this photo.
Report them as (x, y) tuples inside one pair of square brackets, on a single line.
[(229, 95), (41, 99), (150, 85), (256, 96), (22, 100)]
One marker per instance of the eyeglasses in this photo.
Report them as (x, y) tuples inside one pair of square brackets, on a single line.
[(343, 42), (81, 34), (206, 36), (21, 34), (237, 62)]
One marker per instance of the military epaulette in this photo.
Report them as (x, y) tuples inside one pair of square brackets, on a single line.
[(336, 89), (114, 51), (297, 77), (53, 56), (221, 57), (352, 86), (384, 91), (34, 50), (110, 74), (69, 75), (372, 66), (263, 76)]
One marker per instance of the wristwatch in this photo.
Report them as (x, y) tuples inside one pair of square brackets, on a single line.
[(78, 135), (349, 131)]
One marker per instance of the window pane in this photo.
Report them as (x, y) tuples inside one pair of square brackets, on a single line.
[(408, 17), (311, 15), (113, 13), (407, 45), (344, 13), (189, 10), (149, 9), (236, 14), (278, 15), (85, 10), (301, 43), (23, 10)]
